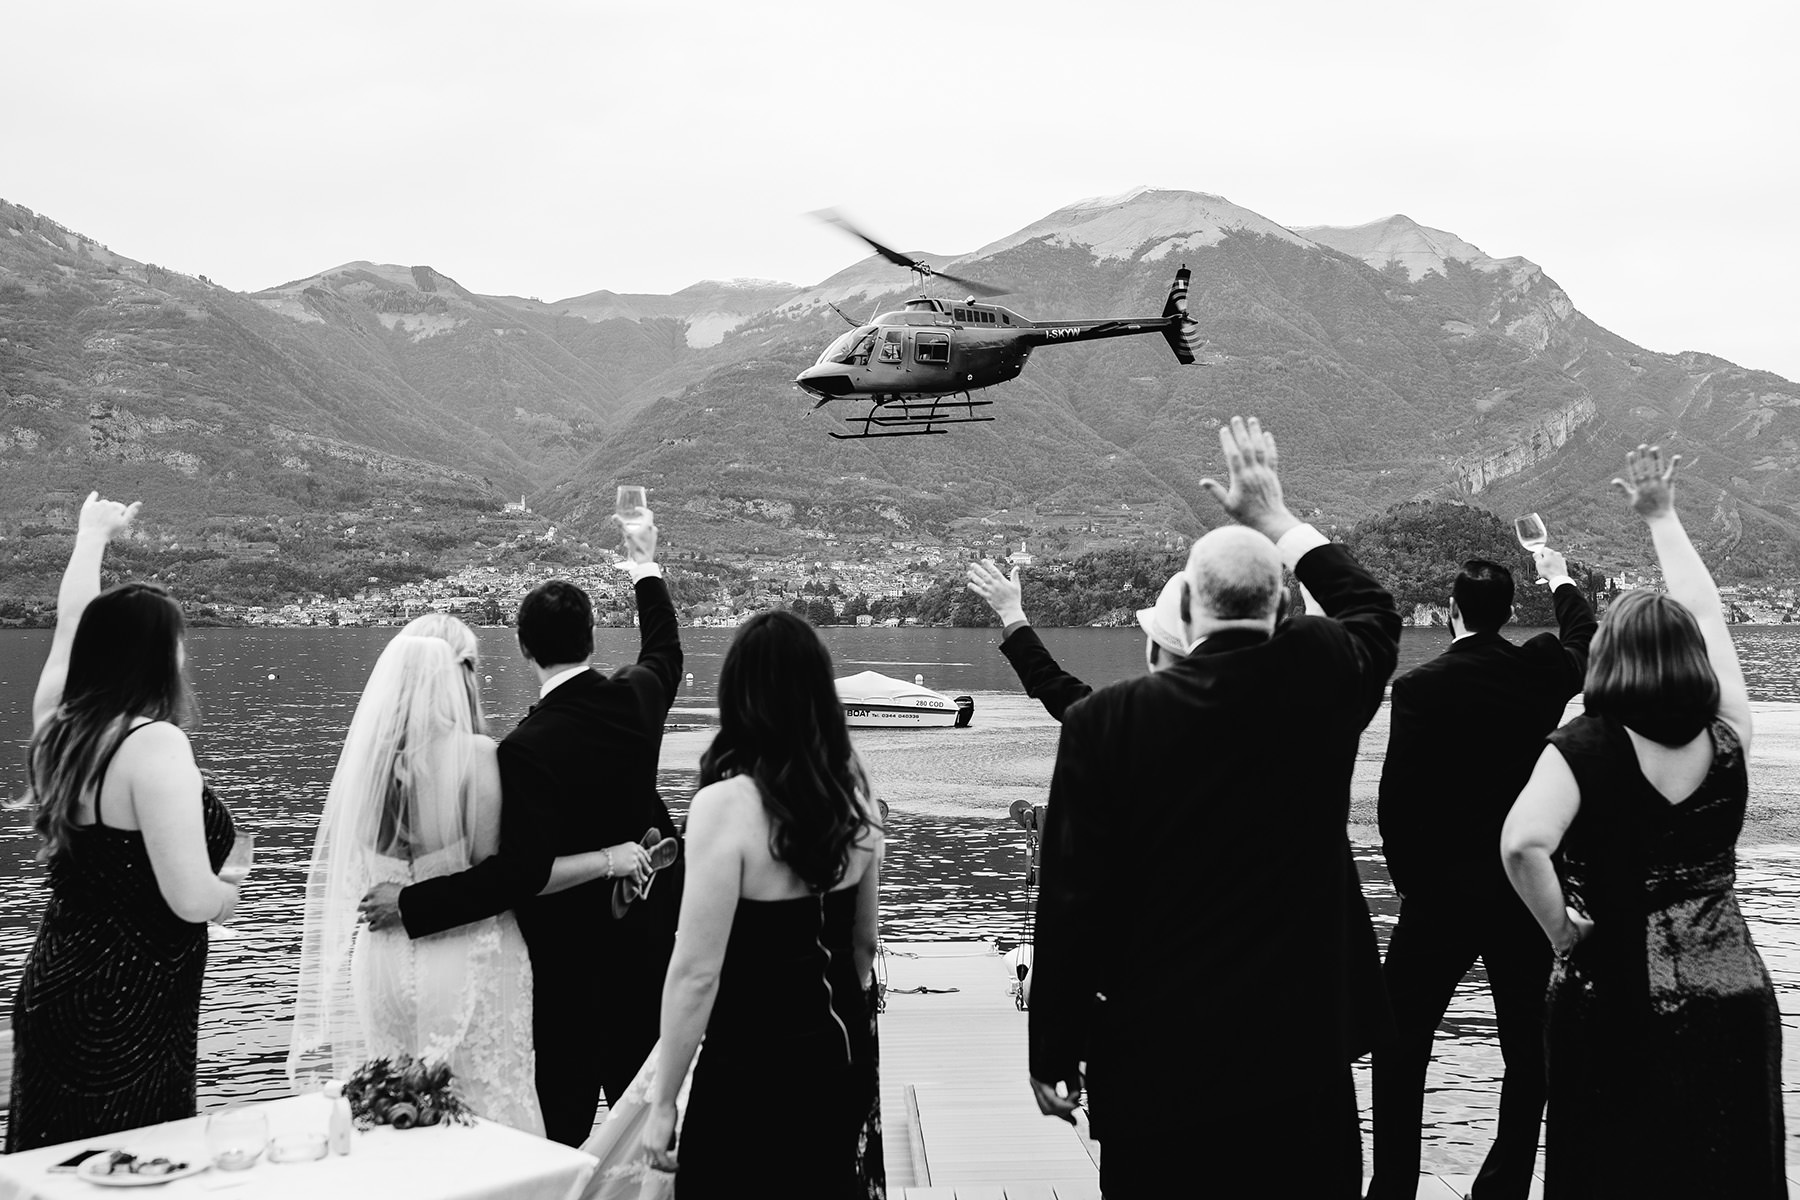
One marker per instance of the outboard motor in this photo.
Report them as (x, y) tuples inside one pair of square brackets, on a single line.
[(965, 711)]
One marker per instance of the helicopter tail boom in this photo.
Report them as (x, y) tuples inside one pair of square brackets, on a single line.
[(1176, 326)]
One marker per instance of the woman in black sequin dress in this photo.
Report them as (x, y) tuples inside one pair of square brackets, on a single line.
[(105, 1020), (1663, 1037)]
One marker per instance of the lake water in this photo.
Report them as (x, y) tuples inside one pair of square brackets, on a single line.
[(275, 703)]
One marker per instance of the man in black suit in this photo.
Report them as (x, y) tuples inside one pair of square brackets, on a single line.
[(577, 774), (1467, 729), (1212, 998)]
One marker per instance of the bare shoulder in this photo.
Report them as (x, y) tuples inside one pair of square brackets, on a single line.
[(485, 748), (727, 802), (158, 741)]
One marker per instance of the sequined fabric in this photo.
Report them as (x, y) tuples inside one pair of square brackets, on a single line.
[(106, 1018), (1663, 1036)]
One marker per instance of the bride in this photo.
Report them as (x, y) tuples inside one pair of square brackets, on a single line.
[(416, 795)]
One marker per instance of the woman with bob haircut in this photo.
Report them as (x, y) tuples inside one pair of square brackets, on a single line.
[(783, 852), (106, 1018), (1662, 1035)]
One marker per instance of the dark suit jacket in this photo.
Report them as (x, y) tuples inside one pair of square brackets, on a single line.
[(1195, 868), (1371, 1018), (1468, 727), (578, 773)]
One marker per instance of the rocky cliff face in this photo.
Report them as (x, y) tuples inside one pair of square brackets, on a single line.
[(1529, 447)]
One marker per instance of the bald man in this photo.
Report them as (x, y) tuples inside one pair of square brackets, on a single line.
[(1193, 968)]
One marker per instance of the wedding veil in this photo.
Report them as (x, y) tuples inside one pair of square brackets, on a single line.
[(400, 794)]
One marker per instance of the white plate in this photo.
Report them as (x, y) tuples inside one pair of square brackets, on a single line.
[(86, 1172)]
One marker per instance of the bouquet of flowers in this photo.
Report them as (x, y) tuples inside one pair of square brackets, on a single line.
[(404, 1092)]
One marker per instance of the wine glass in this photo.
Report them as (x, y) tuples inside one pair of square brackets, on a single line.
[(237, 864), (1530, 531), (632, 508), (235, 1137)]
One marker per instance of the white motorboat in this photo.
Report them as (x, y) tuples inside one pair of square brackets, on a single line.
[(875, 701)]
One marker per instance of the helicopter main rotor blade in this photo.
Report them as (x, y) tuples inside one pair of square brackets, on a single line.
[(832, 217), (975, 286)]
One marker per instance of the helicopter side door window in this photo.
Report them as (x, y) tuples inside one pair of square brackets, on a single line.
[(890, 347), (932, 348)]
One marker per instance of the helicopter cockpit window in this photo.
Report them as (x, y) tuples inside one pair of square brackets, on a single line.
[(890, 346), (852, 347), (931, 347)]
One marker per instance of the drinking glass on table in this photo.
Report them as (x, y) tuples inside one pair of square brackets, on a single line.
[(235, 1137), (1529, 529), (237, 863), (632, 508)]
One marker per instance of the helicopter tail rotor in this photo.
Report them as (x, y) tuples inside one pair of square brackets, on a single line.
[(1182, 332)]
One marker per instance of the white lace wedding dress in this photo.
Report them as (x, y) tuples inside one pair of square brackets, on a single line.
[(461, 996), (416, 795)]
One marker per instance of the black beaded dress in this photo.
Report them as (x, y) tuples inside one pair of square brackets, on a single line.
[(106, 1017), (772, 1108), (1662, 1035)]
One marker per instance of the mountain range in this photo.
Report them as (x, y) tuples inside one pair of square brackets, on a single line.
[(1395, 360)]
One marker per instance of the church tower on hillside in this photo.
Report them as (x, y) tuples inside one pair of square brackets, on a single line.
[(1019, 557)]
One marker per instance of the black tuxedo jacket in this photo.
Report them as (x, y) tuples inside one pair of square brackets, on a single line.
[(1196, 884), (1467, 729), (578, 773)]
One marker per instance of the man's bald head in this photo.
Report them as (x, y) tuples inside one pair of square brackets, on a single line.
[(1235, 573)]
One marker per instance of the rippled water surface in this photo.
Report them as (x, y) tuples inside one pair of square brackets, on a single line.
[(275, 704)]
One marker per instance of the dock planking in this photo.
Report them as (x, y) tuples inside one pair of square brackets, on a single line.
[(958, 1119)]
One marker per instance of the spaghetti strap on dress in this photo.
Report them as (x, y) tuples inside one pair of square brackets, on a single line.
[(1663, 1036), (106, 1017)]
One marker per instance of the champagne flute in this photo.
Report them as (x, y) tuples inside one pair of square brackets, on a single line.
[(632, 508), (1530, 531), (237, 864)]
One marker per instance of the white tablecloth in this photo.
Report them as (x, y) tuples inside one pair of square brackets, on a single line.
[(445, 1162)]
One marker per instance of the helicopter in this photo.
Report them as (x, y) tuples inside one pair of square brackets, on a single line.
[(919, 366)]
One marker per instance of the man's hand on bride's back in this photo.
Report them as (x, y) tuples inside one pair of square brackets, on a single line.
[(380, 906)]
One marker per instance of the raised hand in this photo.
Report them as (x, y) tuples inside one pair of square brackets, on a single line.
[(105, 517), (1254, 495), (1001, 591), (1550, 563), (640, 541), (1649, 484)]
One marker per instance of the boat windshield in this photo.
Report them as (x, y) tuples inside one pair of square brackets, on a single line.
[(852, 347)]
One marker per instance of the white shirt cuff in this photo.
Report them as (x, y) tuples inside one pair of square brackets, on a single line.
[(1556, 581), (641, 571), (1296, 542)]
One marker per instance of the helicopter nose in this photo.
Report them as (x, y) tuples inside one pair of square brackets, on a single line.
[(824, 383)]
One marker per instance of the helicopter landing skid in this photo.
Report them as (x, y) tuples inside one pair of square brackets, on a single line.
[(915, 418)]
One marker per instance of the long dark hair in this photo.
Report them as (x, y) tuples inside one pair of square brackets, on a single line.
[(780, 723), (125, 662)]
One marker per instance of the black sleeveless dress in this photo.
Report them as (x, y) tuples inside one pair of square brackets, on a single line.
[(855, 1003), (106, 1018), (1663, 1036), (772, 1108)]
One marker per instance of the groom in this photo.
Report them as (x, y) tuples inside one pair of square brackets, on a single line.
[(577, 774)]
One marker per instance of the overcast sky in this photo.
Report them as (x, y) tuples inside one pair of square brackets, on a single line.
[(1645, 154)]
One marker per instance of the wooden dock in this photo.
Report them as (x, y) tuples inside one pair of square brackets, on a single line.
[(958, 1119)]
